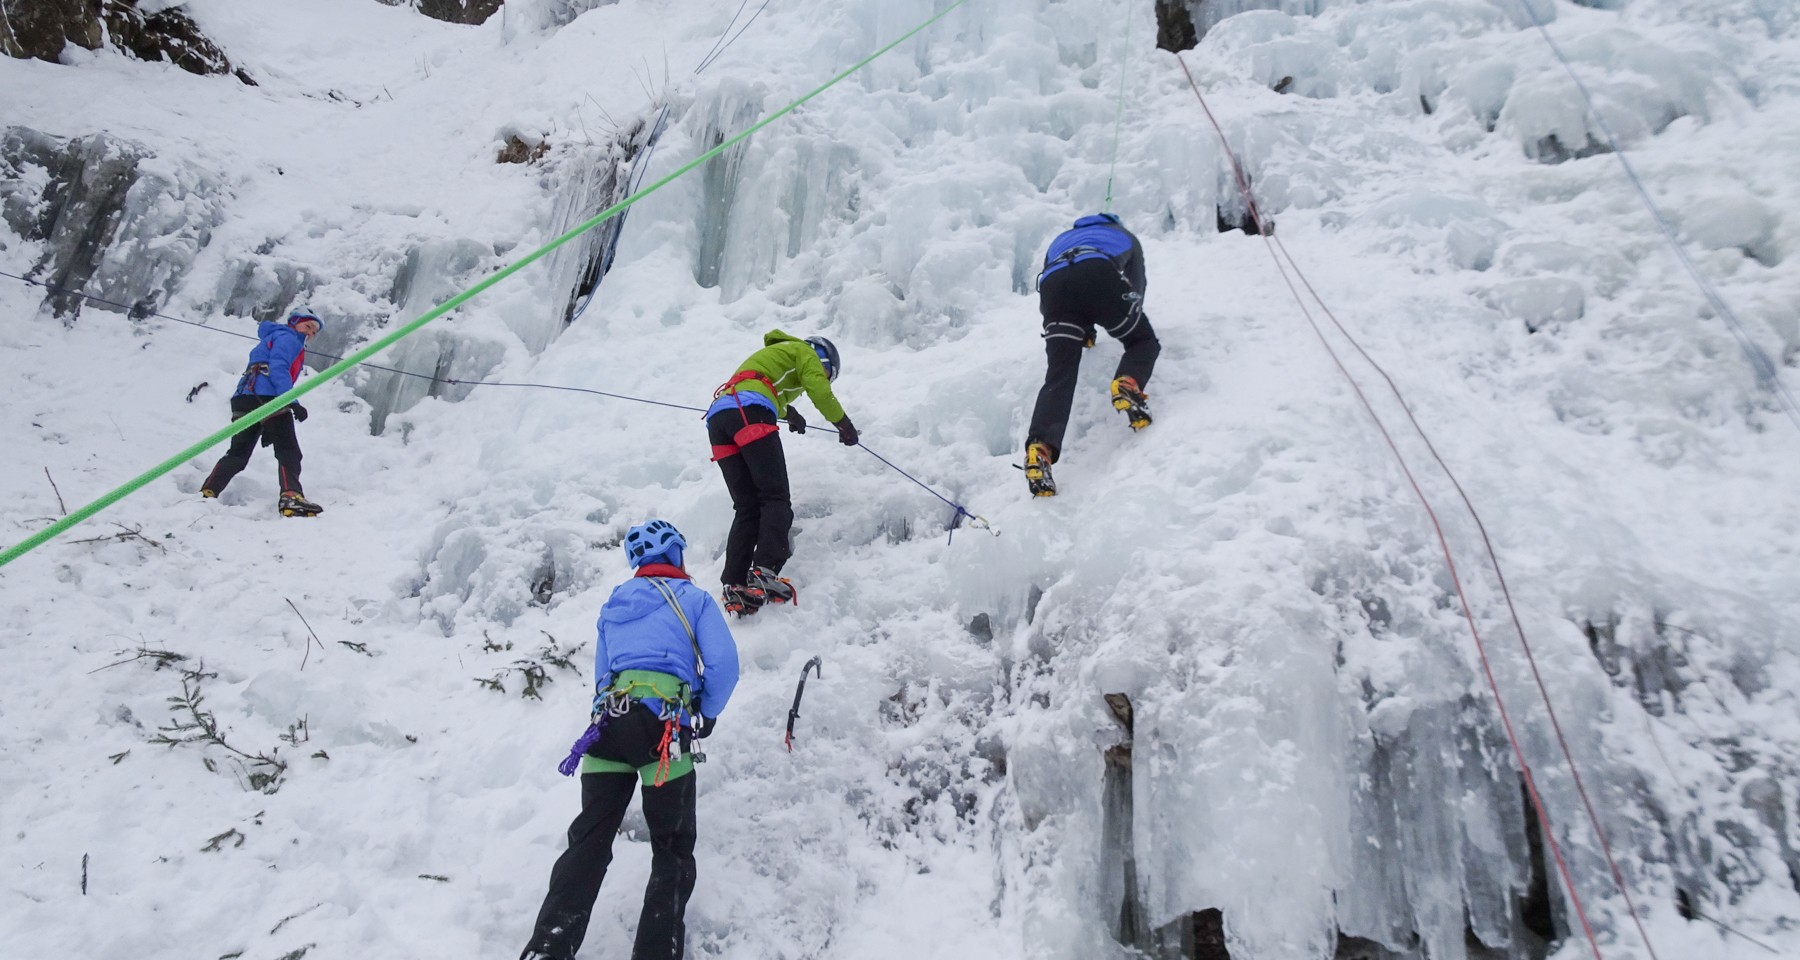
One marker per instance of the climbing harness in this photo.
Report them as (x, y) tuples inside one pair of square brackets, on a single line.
[(1284, 262), (1072, 256), (632, 687), (629, 690), (247, 382), (751, 432), (405, 330), (818, 670)]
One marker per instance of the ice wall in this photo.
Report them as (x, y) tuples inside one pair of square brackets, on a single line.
[(1316, 767), (591, 179)]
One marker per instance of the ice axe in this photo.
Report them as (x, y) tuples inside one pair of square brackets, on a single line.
[(799, 691)]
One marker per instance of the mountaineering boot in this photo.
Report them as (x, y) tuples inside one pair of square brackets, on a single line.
[(293, 504), (742, 601), (209, 494), (774, 589), (1037, 471), (1126, 397)]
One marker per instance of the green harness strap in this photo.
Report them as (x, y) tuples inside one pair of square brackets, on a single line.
[(646, 773), (640, 685)]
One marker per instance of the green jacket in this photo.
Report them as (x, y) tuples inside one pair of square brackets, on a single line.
[(793, 367)]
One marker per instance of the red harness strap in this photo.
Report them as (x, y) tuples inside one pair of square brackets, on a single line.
[(750, 432)]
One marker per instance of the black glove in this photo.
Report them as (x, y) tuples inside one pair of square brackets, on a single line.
[(299, 411), (846, 431), (796, 423), (703, 726)]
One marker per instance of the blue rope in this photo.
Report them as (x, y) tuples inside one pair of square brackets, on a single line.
[(978, 523), (1766, 371)]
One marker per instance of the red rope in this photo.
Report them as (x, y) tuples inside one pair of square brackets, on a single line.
[(1511, 609), (662, 749), (1272, 244)]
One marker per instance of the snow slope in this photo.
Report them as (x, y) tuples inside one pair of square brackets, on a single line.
[(1315, 752)]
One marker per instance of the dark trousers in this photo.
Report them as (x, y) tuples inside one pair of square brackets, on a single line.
[(669, 811), (1074, 301), (762, 508), (277, 431)]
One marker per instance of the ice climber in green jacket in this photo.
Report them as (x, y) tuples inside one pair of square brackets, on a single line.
[(743, 425)]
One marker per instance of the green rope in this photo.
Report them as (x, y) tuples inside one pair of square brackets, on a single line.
[(1118, 118), (279, 403)]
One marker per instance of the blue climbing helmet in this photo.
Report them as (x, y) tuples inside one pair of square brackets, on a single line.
[(305, 313), (654, 540), (828, 355)]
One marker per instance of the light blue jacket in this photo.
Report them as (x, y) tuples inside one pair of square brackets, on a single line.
[(639, 630)]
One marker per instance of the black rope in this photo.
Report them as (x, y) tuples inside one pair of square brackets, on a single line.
[(138, 313), (718, 50)]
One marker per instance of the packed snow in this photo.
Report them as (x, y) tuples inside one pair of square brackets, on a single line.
[(1314, 753)]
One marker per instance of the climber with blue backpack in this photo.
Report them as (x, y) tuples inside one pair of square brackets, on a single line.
[(1093, 276), (742, 425), (275, 364), (664, 668)]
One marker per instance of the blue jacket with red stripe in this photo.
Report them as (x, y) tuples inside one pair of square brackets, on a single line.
[(280, 352)]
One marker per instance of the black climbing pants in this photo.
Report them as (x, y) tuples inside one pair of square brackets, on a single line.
[(277, 431), (762, 507), (1074, 301), (669, 812)]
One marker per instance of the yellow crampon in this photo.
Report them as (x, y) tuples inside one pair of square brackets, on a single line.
[(1129, 400), (1037, 470)]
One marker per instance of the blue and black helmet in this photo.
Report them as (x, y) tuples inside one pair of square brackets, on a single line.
[(305, 313), (828, 355), (654, 541)]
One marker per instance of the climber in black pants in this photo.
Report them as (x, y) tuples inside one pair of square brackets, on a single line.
[(1093, 278)]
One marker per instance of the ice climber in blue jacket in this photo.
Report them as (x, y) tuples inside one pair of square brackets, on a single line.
[(1093, 277), (274, 365), (664, 668)]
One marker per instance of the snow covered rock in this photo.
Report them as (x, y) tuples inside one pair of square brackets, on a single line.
[(115, 222), (460, 11), (42, 29), (156, 30), (150, 30)]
